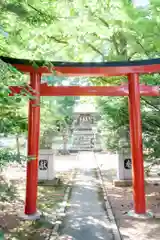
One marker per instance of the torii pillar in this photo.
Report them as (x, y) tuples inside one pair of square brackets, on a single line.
[(33, 150), (136, 148)]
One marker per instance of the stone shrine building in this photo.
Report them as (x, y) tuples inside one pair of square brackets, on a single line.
[(85, 136)]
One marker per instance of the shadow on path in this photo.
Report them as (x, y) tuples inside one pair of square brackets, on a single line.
[(86, 218)]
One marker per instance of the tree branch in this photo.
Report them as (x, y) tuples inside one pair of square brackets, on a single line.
[(150, 104), (58, 40), (113, 38), (130, 57), (51, 17), (96, 50), (145, 51), (115, 44), (104, 22), (41, 13)]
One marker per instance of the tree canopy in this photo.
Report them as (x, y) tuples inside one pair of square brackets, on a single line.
[(81, 30)]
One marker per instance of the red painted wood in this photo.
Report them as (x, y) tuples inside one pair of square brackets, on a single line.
[(122, 90), (136, 144), (91, 71), (83, 91), (33, 146)]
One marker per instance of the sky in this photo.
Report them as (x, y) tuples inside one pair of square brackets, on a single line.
[(141, 2)]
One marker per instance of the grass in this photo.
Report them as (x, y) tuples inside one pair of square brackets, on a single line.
[(49, 200), (49, 197)]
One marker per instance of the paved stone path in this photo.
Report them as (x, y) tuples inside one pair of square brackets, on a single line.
[(86, 219)]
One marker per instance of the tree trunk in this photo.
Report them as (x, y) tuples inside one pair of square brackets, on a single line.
[(65, 141), (18, 147)]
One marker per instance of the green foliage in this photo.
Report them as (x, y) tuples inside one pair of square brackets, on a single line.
[(101, 31), (80, 30), (8, 156), (114, 119), (12, 119), (56, 118), (151, 126)]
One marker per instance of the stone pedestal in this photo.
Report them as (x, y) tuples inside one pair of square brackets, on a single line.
[(46, 170), (124, 168)]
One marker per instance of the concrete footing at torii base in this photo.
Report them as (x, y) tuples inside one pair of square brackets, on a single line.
[(145, 216), (31, 217)]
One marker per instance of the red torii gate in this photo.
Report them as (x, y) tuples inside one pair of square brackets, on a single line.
[(133, 90)]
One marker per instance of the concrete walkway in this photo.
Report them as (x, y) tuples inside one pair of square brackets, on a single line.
[(86, 218)]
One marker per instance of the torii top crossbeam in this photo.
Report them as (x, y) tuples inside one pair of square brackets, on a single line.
[(86, 68)]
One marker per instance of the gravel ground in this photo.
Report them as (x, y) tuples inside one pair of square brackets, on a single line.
[(12, 195), (121, 202)]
